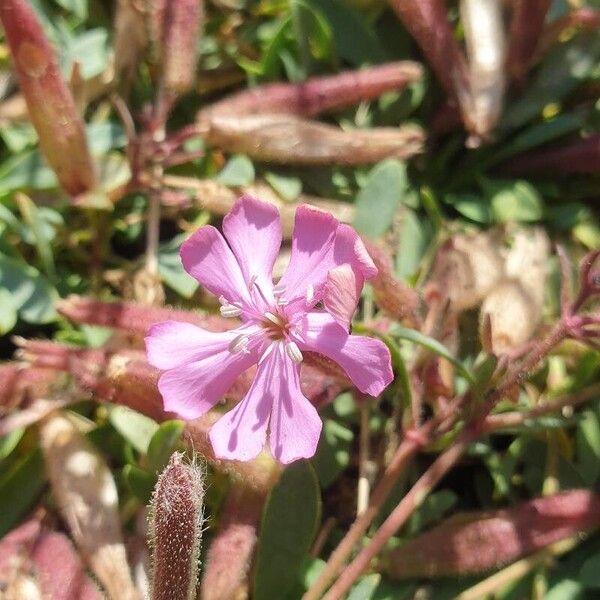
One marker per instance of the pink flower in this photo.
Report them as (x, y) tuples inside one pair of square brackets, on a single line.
[(328, 264)]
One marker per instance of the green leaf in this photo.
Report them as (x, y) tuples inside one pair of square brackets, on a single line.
[(288, 188), (588, 446), (78, 7), (20, 487), (238, 171), (9, 441), (433, 345), (18, 136), (365, 588), (413, 242), (32, 295), (163, 444), (90, 50), (377, 201), (513, 200), (564, 67), (171, 270), (353, 39), (333, 452), (33, 217), (433, 508), (105, 136), (140, 482), (27, 171), (589, 575), (136, 428), (567, 589), (472, 206), (290, 519), (8, 313)]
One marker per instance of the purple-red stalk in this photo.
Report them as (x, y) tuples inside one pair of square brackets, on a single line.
[(575, 156), (526, 28)]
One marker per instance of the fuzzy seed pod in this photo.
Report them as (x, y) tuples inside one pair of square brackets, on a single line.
[(133, 317), (50, 103), (473, 543), (176, 530), (316, 95), (86, 495), (513, 315)]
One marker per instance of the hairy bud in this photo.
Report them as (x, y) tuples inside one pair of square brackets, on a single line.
[(176, 530)]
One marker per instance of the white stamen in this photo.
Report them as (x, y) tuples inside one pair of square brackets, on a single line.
[(278, 290), (310, 293), (228, 309), (274, 319), (293, 352), (239, 344), (280, 301)]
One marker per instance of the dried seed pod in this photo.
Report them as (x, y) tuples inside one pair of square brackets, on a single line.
[(317, 94), (473, 543), (288, 139), (526, 259), (50, 103), (175, 531), (484, 38), (513, 315), (86, 496), (231, 550), (466, 269)]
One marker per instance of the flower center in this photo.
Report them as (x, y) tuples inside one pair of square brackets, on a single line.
[(275, 326)]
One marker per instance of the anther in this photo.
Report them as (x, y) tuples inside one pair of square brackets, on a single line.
[(229, 310), (239, 344), (293, 352)]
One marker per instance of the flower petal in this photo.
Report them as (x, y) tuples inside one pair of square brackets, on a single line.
[(194, 388), (312, 252), (241, 433), (207, 257), (253, 230), (349, 249), (367, 361), (274, 398), (342, 292), (170, 344), (295, 423)]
